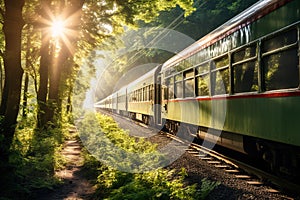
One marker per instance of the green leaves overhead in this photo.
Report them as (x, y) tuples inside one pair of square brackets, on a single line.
[(146, 10)]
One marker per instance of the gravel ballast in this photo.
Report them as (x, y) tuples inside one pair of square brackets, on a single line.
[(229, 188)]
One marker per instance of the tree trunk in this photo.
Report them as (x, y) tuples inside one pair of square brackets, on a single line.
[(1, 77), (43, 81), (25, 94), (73, 12), (12, 28)]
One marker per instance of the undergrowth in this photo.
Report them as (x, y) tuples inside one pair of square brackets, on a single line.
[(34, 157), (114, 183)]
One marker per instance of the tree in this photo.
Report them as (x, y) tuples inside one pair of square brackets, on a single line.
[(98, 19), (207, 16), (9, 109), (59, 56)]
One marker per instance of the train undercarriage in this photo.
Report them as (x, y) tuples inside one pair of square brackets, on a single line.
[(280, 159)]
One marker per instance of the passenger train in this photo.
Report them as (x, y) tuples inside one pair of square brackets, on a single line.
[(241, 79)]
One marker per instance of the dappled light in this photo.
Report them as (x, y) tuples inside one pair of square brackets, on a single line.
[(97, 96)]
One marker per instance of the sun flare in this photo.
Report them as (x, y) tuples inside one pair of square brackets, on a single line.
[(57, 28)]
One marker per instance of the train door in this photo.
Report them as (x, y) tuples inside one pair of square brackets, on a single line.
[(126, 101), (157, 101), (117, 101), (157, 97)]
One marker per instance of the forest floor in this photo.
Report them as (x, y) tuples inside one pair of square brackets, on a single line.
[(76, 185)]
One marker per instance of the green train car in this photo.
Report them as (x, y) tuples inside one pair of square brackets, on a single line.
[(237, 86)]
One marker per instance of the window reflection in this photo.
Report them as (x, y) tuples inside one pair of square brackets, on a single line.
[(246, 77), (281, 70)]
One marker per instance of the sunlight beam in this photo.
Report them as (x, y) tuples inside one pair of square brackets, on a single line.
[(57, 28)]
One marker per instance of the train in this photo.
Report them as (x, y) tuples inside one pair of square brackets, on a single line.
[(241, 80)]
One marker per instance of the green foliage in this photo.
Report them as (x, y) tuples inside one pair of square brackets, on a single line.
[(158, 184), (116, 184), (113, 145), (206, 16), (206, 187), (121, 138), (33, 159), (146, 10)]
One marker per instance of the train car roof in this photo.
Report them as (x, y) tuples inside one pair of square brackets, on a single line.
[(144, 79), (102, 100), (253, 13)]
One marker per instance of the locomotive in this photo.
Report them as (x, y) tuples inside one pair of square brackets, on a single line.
[(241, 80)]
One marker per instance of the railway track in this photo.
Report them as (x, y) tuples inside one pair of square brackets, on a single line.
[(241, 170)]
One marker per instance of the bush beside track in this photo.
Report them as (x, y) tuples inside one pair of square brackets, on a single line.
[(115, 184)]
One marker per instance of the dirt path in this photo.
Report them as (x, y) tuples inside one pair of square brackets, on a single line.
[(75, 185)]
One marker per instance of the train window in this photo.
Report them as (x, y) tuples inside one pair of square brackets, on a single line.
[(132, 97), (280, 61), (170, 85), (178, 77), (204, 68), (179, 67), (148, 93), (245, 53), (281, 70), (245, 77), (140, 94), (203, 85), (220, 82), (278, 41), (151, 92), (178, 90), (220, 76), (189, 74), (165, 92), (189, 62), (145, 94), (221, 62), (189, 87), (136, 95), (192, 60), (178, 86), (202, 80)]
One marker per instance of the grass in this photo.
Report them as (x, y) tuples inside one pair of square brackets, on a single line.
[(34, 156), (115, 183)]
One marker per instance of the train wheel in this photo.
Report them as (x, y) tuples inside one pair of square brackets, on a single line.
[(146, 120), (151, 121), (187, 132), (270, 158)]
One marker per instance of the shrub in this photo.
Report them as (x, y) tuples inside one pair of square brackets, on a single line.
[(113, 183)]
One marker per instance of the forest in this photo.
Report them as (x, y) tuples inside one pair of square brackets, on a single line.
[(48, 51)]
